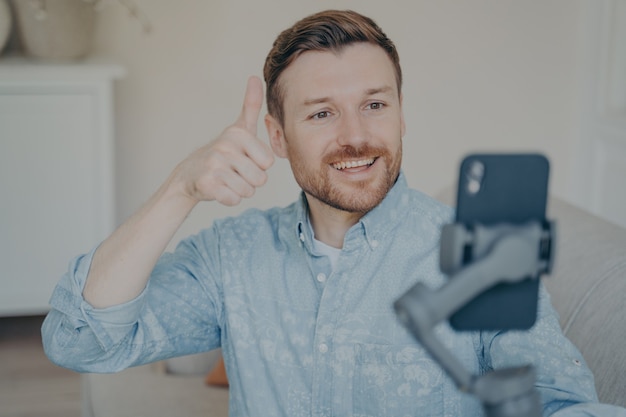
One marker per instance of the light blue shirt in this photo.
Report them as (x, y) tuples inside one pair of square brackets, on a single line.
[(300, 339)]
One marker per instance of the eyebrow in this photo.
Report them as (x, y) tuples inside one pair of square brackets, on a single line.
[(368, 92), (378, 90), (312, 101)]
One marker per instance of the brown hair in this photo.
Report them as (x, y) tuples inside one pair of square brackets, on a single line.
[(329, 30)]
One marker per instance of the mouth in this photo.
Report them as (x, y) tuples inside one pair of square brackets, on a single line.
[(361, 163)]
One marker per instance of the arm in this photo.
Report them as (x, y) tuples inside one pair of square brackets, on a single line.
[(179, 313), (226, 170), (95, 323), (564, 381)]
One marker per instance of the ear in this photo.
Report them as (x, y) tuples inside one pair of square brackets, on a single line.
[(277, 136)]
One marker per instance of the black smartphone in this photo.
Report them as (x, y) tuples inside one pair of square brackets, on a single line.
[(495, 189)]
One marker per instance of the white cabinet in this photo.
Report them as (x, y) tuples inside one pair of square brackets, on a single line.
[(56, 173)]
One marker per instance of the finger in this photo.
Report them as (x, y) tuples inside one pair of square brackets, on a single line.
[(226, 196), (233, 188), (259, 152), (250, 171), (238, 140), (252, 103)]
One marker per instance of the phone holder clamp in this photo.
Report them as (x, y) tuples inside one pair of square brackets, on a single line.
[(498, 253)]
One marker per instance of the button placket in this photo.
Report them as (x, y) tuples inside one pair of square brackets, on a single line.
[(322, 343)]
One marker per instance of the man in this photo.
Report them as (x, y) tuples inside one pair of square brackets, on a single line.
[(299, 298)]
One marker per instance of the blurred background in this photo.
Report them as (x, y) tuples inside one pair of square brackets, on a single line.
[(480, 75)]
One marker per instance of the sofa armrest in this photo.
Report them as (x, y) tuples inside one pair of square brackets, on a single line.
[(588, 289)]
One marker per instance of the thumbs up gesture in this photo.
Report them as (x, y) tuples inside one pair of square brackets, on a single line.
[(233, 165)]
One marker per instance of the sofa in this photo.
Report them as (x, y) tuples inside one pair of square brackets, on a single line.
[(587, 286)]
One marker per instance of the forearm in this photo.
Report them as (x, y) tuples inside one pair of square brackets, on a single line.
[(226, 170), (86, 339), (563, 378), (122, 264)]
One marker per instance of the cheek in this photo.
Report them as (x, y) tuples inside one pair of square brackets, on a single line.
[(306, 145), (389, 131)]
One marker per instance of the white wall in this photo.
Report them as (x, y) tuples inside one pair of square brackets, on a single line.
[(480, 75)]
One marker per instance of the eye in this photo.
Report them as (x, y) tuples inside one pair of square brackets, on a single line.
[(320, 115), (375, 106)]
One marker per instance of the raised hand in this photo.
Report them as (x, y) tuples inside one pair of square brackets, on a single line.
[(227, 170), (233, 165)]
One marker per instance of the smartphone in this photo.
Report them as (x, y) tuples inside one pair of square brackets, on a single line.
[(494, 189)]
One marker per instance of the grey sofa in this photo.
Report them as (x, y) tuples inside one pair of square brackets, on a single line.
[(588, 289)]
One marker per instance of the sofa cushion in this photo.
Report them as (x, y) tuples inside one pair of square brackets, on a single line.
[(588, 289)]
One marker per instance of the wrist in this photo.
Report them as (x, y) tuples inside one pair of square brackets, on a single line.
[(176, 188), (174, 198)]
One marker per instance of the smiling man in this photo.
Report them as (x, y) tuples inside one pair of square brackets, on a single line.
[(341, 131), (299, 298)]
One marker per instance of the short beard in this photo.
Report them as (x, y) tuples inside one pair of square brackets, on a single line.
[(362, 196)]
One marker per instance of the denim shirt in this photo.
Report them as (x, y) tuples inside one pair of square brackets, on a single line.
[(299, 339)]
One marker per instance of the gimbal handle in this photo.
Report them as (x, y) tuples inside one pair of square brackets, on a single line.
[(502, 253)]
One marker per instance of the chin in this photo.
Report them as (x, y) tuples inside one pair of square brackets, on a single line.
[(360, 199)]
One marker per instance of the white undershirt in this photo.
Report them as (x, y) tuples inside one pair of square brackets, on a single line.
[(324, 249)]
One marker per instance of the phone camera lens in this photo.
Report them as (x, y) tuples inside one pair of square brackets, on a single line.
[(475, 174), (473, 186), (477, 170)]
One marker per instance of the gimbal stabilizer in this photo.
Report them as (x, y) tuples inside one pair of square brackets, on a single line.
[(502, 253)]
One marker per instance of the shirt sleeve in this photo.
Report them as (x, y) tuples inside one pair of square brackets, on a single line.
[(176, 314), (564, 381), (591, 410)]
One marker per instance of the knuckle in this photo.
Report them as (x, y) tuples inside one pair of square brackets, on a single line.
[(260, 179), (249, 191)]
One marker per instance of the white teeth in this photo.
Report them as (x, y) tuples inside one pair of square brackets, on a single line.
[(353, 164)]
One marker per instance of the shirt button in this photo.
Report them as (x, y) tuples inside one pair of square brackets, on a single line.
[(375, 244), (323, 347), (321, 277)]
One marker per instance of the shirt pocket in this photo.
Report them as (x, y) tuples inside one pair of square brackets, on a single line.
[(392, 380)]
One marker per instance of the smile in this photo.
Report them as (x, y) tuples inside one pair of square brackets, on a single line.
[(353, 164)]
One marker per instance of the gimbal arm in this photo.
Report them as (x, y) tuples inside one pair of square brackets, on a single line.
[(505, 254)]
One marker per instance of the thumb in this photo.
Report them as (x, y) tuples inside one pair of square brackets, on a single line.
[(252, 103)]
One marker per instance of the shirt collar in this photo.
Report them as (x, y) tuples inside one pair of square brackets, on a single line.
[(373, 225), (384, 217)]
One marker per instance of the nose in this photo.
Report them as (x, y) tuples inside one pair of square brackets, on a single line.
[(352, 130)]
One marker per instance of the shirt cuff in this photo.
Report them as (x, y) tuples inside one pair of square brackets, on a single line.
[(109, 325), (125, 314), (112, 324)]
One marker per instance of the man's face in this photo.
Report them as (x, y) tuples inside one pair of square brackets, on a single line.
[(343, 126)]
